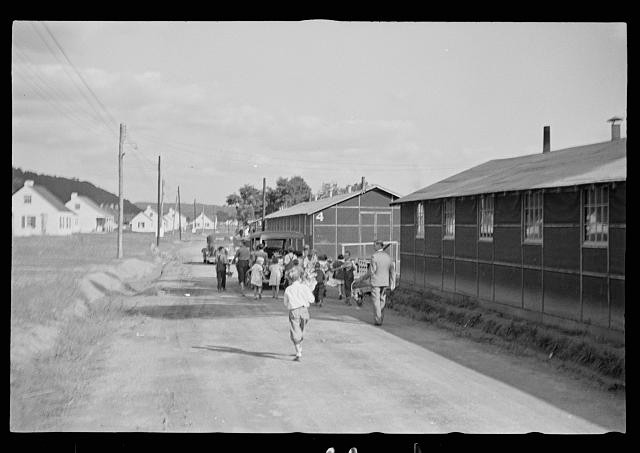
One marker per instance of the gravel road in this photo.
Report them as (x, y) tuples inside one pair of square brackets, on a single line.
[(221, 362)]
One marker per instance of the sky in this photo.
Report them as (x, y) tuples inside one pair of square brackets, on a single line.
[(404, 104)]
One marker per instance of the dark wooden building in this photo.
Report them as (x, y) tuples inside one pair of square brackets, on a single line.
[(350, 221), (543, 235)]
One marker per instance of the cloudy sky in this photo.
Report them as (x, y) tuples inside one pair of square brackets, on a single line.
[(228, 103)]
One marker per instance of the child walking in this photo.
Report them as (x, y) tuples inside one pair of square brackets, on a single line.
[(275, 276), (297, 298), (257, 274), (319, 290)]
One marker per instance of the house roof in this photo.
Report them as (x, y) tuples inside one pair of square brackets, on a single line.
[(588, 164), (51, 198), (142, 213), (311, 207), (93, 205)]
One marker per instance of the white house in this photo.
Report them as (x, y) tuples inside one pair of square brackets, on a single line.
[(91, 218), (202, 222), (36, 211), (147, 222), (173, 222)]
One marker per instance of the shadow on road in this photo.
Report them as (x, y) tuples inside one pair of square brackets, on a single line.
[(268, 355)]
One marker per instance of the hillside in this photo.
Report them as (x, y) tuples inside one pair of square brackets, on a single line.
[(63, 187), (223, 212)]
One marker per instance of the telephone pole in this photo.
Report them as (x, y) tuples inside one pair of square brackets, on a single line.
[(179, 215), (264, 206), (159, 183), (120, 200)]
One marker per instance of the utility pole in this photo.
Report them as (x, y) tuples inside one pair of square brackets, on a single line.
[(179, 215), (264, 199), (159, 182), (161, 213), (120, 200)]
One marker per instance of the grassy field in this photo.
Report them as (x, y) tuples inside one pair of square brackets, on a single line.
[(45, 272)]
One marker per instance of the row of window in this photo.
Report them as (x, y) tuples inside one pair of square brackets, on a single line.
[(595, 217), (30, 222)]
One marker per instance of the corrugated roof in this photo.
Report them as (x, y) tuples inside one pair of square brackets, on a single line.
[(51, 198), (311, 207), (598, 162)]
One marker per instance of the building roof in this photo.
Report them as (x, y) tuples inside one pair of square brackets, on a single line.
[(311, 207), (588, 164), (93, 205), (51, 198)]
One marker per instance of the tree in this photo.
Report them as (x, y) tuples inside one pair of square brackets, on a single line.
[(248, 203)]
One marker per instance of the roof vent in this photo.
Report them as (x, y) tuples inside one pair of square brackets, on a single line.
[(546, 139), (28, 183), (615, 128)]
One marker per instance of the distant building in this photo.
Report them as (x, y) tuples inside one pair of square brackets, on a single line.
[(145, 222), (350, 221), (174, 222), (91, 217), (542, 235), (202, 222), (36, 211)]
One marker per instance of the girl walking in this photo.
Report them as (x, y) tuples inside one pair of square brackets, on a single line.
[(319, 290), (297, 298), (257, 274), (275, 276), (338, 275)]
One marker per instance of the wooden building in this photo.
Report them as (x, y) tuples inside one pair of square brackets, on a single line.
[(542, 235), (349, 221)]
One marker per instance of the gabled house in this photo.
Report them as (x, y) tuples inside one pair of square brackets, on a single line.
[(202, 222), (36, 211), (91, 217), (173, 221)]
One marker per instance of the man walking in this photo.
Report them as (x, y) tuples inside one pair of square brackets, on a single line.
[(383, 276), (241, 261)]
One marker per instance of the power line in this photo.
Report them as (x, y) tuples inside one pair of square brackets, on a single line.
[(75, 84), (79, 74)]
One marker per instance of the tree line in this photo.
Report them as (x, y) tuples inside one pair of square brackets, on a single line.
[(287, 192)]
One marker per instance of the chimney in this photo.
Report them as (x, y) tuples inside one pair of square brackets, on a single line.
[(74, 195), (546, 139), (362, 189), (615, 128), (28, 183), (349, 188)]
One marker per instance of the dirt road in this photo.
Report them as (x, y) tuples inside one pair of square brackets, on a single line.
[(211, 362)]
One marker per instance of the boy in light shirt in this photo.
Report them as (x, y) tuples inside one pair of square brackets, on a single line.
[(297, 298)]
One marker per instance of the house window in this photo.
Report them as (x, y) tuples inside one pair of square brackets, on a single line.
[(420, 220), (27, 199), (68, 222), (449, 218), (596, 215), (486, 217), (532, 216), (31, 221), (77, 206), (140, 224)]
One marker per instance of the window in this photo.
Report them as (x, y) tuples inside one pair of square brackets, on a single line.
[(449, 219), (532, 216), (486, 217), (596, 215), (140, 224), (31, 221), (77, 206), (420, 220), (27, 199)]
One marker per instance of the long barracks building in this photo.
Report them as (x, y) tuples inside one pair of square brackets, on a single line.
[(543, 235)]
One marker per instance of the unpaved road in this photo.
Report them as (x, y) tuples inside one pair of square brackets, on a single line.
[(215, 362)]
